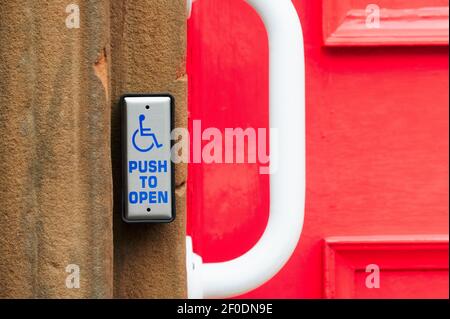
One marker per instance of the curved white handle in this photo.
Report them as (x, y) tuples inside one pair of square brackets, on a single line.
[(287, 180)]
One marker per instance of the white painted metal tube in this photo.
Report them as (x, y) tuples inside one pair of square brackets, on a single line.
[(287, 180)]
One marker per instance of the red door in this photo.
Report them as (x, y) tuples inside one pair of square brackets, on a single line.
[(376, 218)]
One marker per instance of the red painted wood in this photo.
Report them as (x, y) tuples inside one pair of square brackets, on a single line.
[(418, 22), (377, 141), (409, 266)]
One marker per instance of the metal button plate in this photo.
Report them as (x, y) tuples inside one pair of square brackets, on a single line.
[(147, 168)]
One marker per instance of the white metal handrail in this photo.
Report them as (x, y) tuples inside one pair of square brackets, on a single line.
[(287, 181)]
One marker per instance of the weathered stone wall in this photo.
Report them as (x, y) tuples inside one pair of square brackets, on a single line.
[(148, 53), (55, 167), (60, 147)]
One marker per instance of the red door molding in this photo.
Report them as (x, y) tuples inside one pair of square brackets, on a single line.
[(413, 266), (416, 22)]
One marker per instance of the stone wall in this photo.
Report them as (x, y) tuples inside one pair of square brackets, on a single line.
[(60, 147), (148, 53)]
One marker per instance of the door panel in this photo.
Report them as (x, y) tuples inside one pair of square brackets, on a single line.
[(386, 267), (377, 144), (385, 22)]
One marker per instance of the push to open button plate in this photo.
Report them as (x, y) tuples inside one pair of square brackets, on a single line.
[(148, 179)]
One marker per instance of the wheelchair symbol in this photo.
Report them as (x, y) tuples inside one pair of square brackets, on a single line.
[(145, 132)]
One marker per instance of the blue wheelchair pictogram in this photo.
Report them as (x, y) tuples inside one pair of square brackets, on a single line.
[(147, 134)]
